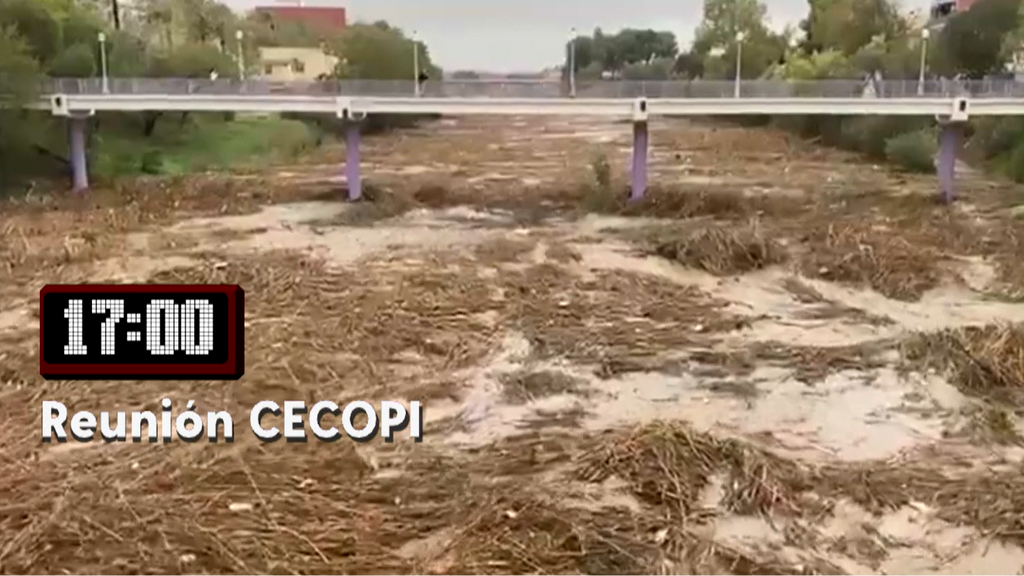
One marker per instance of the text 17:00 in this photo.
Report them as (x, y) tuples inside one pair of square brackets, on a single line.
[(162, 337)]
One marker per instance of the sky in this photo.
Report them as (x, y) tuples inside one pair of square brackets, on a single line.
[(528, 35)]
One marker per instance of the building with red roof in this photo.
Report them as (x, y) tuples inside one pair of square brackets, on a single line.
[(942, 9), (286, 63), (320, 19)]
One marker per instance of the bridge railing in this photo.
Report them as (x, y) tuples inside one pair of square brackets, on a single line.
[(543, 89)]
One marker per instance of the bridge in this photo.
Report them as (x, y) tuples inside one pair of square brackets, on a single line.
[(952, 103)]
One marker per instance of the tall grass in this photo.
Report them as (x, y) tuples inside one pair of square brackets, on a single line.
[(202, 143)]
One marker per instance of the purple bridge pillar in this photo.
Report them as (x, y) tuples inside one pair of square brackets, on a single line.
[(638, 173), (353, 176), (949, 144), (77, 157)]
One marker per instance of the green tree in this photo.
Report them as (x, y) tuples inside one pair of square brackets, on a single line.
[(817, 66), (897, 58), (629, 47), (974, 42), (268, 31), (689, 65), (371, 52), (60, 9), (192, 61), (206, 20), (657, 69), (158, 20), (585, 52), (39, 28), (20, 73), (127, 55), (635, 46), (849, 25), (76, 61), (80, 26), (762, 50), (723, 19)]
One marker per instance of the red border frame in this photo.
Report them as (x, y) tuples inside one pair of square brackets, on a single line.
[(232, 369)]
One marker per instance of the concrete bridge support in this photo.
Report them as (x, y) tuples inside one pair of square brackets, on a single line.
[(638, 174), (353, 176), (79, 168), (949, 144)]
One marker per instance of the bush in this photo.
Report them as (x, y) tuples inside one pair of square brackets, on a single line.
[(205, 143), (602, 170), (870, 135), (329, 124), (1014, 168), (913, 151), (830, 129), (599, 193), (825, 127), (78, 61), (997, 136), (152, 162), (753, 120), (804, 126)]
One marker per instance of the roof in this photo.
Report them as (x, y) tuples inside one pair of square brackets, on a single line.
[(960, 5), (322, 19)]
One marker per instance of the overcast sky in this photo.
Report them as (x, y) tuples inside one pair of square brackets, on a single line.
[(525, 35)]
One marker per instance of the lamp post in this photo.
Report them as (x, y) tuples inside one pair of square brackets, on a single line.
[(925, 33), (239, 36), (572, 63), (416, 62), (103, 61), (740, 36)]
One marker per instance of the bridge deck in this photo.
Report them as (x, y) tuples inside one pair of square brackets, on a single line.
[(606, 98)]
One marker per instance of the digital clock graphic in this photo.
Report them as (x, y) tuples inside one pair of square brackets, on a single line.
[(141, 332)]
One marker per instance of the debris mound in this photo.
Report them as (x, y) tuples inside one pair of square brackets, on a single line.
[(717, 249), (985, 362), (858, 255)]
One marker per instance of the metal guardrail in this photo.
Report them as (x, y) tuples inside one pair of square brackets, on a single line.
[(543, 89)]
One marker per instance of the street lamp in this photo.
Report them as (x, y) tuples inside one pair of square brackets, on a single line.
[(925, 34), (740, 36), (240, 60), (572, 62), (416, 62), (103, 61)]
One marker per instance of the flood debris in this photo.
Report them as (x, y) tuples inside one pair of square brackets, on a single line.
[(554, 492)]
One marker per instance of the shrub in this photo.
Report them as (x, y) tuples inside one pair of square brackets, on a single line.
[(913, 151), (152, 162), (870, 135), (802, 125), (602, 170), (598, 195), (830, 130), (827, 128), (77, 61), (998, 136), (753, 120), (329, 124), (1015, 166)]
